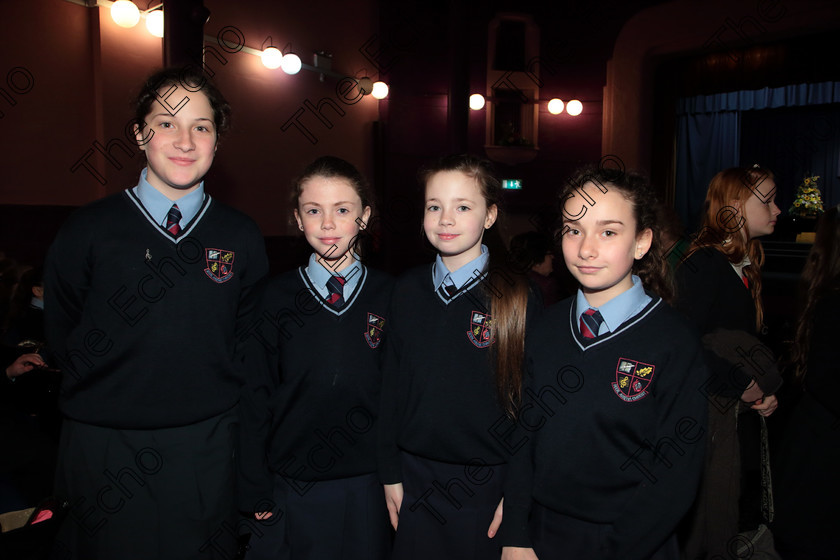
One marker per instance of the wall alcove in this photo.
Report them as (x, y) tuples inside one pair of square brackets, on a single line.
[(512, 89)]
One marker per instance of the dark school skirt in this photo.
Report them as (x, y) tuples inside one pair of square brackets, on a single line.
[(447, 510), (139, 494), (343, 519), (559, 537)]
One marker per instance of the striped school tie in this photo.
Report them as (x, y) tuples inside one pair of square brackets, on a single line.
[(590, 323), (173, 220), (335, 286)]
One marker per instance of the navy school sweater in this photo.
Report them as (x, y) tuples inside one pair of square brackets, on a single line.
[(314, 378), (439, 396), (611, 432), (143, 325), (712, 296)]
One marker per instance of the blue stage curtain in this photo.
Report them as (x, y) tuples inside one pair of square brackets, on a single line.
[(707, 143), (709, 135)]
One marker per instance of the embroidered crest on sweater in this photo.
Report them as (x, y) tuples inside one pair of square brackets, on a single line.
[(632, 379), (375, 326), (481, 329), (219, 265)]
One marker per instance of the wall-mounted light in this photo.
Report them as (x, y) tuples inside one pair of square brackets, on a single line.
[(555, 106), (125, 13), (291, 63), (476, 102), (380, 90), (154, 22), (574, 107), (365, 85), (272, 57)]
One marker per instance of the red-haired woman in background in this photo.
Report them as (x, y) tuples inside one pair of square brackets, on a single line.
[(719, 290)]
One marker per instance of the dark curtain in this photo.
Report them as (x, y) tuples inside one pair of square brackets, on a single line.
[(707, 143), (795, 143), (712, 135)]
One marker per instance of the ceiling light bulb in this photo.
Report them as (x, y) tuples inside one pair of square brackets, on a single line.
[(365, 85), (476, 101), (574, 107), (380, 90), (125, 13), (555, 106), (154, 23), (291, 63), (272, 58)]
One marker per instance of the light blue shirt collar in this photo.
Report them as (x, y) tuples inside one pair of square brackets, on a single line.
[(157, 205), (318, 274), (463, 275), (618, 309), (37, 303)]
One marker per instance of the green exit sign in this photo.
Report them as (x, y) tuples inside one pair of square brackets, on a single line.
[(512, 184)]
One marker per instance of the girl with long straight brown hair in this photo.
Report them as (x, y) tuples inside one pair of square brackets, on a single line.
[(452, 367)]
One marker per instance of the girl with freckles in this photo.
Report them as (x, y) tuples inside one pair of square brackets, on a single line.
[(307, 462), (452, 370), (613, 415)]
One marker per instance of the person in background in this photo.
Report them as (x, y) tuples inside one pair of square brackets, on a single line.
[(25, 321), (533, 252), (27, 461), (719, 291), (807, 459)]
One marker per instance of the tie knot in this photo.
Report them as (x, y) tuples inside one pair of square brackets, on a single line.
[(590, 323), (173, 220), (335, 287)]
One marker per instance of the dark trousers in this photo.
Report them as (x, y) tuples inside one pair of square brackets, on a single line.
[(344, 519), (559, 537), (139, 494), (446, 510)]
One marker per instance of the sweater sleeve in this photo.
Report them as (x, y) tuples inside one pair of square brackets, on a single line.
[(698, 289), (744, 355), (670, 466), (388, 454), (252, 276), (258, 356), (67, 283)]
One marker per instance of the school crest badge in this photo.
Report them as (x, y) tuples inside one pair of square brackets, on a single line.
[(375, 326), (632, 379), (481, 329), (219, 265)]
